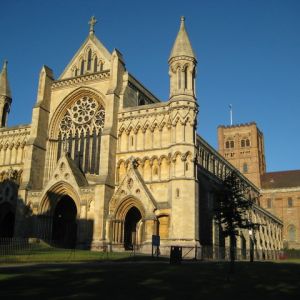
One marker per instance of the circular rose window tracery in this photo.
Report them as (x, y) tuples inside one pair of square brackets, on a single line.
[(85, 113)]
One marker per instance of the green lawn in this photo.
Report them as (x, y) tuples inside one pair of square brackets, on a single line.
[(121, 279)]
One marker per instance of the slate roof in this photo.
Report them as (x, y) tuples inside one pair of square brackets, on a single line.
[(283, 179)]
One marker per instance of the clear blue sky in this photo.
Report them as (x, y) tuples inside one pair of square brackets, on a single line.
[(248, 55)]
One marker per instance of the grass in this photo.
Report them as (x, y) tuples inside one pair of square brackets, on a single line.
[(44, 253), (160, 280), (52, 273)]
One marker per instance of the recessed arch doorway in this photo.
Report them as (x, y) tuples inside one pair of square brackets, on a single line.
[(64, 225), (131, 227)]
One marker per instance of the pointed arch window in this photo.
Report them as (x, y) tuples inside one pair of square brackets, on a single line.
[(76, 72), (178, 78), (95, 64), (82, 67), (231, 144), (243, 143), (245, 168), (80, 132), (185, 73), (247, 143), (101, 66), (89, 60)]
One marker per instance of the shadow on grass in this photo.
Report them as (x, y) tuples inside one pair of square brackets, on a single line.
[(129, 280)]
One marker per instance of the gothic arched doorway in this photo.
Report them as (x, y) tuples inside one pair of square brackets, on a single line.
[(132, 218), (64, 228), (7, 221)]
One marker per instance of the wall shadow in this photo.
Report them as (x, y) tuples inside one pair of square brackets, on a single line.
[(59, 226)]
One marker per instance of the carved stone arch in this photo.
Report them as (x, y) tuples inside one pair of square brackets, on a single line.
[(129, 128), (120, 162), (176, 119), (17, 144), (154, 125), (121, 129), (186, 66), (175, 155), (176, 66), (79, 61), (163, 221), (68, 101), (126, 204), (52, 196), (145, 159), (137, 126), (153, 158), (164, 157), (146, 126), (86, 50), (162, 124), (189, 156)]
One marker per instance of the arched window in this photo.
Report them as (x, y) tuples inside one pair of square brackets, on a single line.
[(82, 67), (185, 78), (101, 66), (89, 60), (292, 233), (227, 144), (80, 132), (76, 72), (247, 143), (242, 143), (245, 168), (231, 144), (5, 113), (95, 63), (178, 78)]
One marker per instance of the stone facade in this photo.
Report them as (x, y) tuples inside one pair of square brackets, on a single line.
[(104, 163), (243, 146)]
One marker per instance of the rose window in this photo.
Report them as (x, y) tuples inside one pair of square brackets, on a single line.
[(66, 123), (80, 132), (85, 114), (84, 110)]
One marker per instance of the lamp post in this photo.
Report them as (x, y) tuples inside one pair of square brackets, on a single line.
[(251, 245)]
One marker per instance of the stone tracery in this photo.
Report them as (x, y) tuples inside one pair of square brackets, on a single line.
[(80, 133)]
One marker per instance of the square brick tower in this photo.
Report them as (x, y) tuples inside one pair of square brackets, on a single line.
[(243, 146)]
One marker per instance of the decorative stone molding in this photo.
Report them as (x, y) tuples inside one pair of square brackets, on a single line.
[(104, 75)]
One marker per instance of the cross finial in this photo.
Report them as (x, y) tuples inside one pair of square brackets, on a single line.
[(92, 23)]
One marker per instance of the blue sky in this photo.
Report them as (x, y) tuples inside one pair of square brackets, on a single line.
[(248, 55)]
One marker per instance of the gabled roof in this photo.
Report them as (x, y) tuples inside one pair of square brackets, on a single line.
[(96, 42), (4, 85), (182, 45), (283, 179)]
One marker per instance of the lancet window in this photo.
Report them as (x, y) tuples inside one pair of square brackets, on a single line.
[(80, 133), (89, 60)]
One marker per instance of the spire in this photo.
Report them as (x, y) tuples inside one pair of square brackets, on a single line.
[(4, 85), (182, 45)]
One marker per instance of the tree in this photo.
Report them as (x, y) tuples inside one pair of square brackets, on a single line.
[(232, 210)]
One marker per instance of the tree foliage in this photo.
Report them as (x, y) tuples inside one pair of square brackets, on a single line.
[(233, 206)]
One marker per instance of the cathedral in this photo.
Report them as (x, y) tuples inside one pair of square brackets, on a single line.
[(105, 164)]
